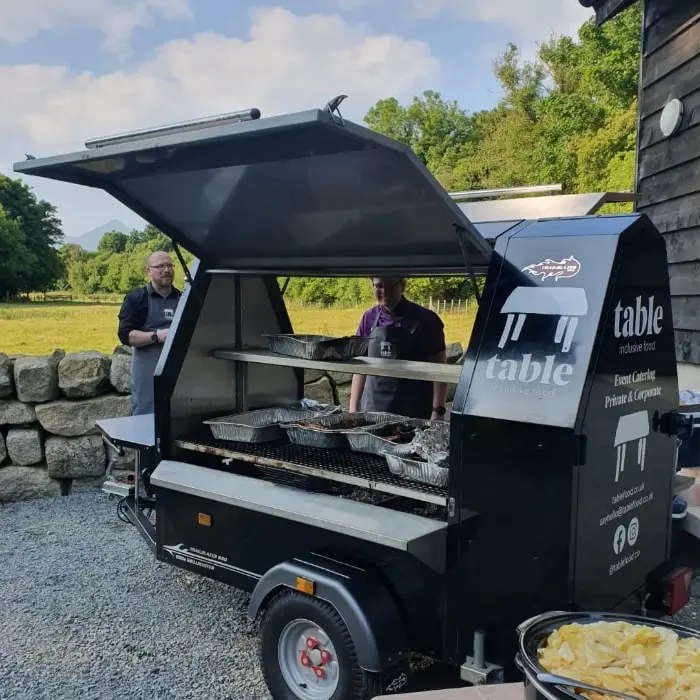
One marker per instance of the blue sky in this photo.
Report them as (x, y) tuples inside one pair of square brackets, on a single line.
[(75, 69)]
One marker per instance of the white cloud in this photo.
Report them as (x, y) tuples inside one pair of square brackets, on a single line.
[(530, 21), (286, 64), (115, 19)]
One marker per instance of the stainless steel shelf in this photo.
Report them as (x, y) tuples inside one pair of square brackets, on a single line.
[(399, 369)]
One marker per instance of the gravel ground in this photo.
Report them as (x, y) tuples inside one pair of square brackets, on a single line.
[(87, 612)]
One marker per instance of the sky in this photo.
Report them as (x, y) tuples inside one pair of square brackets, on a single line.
[(71, 70)]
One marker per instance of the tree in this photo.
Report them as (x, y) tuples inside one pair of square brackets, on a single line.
[(41, 233), (113, 242), (436, 131), (15, 260)]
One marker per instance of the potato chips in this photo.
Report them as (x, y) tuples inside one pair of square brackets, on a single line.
[(645, 662)]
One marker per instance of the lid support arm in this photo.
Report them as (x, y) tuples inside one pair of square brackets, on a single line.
[(186, 270), (465, 254)]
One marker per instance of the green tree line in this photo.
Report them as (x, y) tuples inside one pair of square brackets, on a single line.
[(567, 116)]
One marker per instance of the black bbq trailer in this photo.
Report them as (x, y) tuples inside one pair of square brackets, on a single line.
[(563, 428)]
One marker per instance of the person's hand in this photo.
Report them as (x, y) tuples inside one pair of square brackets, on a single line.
[(162, 334)]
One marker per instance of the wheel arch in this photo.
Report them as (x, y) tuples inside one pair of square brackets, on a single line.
[(363, 602)]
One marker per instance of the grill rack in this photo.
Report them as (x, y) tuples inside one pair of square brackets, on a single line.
[(343, 466)]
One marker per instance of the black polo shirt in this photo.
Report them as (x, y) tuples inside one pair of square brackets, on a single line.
[(134, 310)]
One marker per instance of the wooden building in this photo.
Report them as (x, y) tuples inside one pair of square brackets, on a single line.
[(668, 153)]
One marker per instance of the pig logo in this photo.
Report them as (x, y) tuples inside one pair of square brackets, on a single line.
[(559, 269), (568, 303)]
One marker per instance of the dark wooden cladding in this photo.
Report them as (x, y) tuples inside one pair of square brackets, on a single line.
[(675, 21), (684, 279), (683, 246), (658, 94), (686, 314), (675, 214), (672, 184), (670, 154), (650, 130), (668, 169), (688, 347), (672, 55), (656, 9)]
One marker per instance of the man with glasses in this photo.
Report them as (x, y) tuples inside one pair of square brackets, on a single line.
[(399, 329), (144, 319)]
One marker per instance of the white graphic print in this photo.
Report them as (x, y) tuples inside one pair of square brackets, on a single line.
[(568, 303), (619, 539), (169, 314), (559, 269), (633, 532), (634, 426)]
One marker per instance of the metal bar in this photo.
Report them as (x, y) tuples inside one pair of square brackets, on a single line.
[(317, 472), (186, 270), (176, 128), (467, 195), (371, 366), (379, 270), (285, 285), (241, 369), (142, 523)]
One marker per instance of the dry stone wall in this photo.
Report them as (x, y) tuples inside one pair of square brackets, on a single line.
[(49, 445)]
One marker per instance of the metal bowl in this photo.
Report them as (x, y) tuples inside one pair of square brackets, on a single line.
[(533, 634)]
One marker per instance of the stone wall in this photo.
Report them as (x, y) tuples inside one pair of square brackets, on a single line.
[(48, 408)]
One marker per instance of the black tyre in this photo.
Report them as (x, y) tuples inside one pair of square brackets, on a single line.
[(306, 652)]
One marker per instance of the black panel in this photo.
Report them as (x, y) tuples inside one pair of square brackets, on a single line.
[(299, 192), (565, 485)]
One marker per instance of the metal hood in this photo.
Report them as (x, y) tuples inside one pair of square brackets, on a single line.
[(305, 193)]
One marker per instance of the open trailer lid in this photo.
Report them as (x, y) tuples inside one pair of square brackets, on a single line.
[(302, 193)]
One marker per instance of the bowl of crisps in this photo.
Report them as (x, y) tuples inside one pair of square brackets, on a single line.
[(642, 657)]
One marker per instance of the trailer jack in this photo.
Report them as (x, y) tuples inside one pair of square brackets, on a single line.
[(476, 670)]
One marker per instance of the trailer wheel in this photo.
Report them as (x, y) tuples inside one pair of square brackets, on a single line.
[(307, 652)]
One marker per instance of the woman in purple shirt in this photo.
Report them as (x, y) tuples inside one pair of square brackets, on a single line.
[(401, 330)]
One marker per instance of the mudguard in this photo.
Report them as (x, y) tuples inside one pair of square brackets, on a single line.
[(360, 597)]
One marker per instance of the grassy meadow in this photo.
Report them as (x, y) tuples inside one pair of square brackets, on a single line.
[(40, 327)]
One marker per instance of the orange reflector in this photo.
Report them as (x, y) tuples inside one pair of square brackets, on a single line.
[(204, 519), (305, 586)]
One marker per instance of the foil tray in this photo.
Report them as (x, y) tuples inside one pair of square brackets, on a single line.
[(262, 425), (318, 347), (413, 470), (331, 434), (366, 440)]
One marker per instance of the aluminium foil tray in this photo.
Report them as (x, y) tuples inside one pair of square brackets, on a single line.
[(262, 425), (422, 472), (318, 347)]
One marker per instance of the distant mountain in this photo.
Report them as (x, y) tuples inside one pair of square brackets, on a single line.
[(90, 240)]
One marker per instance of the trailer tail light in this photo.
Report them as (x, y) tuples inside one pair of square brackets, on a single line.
[(677, 590), (304, 585), (204, 519)]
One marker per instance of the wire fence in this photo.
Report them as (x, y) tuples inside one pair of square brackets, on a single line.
[(440, 306)]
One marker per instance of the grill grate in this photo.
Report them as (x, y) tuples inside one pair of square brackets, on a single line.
[(341, 465)]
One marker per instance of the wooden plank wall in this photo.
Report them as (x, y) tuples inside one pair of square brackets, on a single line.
[(668, 170)]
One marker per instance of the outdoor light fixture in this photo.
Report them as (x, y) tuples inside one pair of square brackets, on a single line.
[(671, 117)]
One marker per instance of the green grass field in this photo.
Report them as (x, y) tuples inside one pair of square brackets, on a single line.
[(40, 328)]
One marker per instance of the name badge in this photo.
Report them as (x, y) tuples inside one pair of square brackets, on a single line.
[(169, 313)]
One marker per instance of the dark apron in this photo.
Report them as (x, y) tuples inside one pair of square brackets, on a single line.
[(144, 360), (406, 397)]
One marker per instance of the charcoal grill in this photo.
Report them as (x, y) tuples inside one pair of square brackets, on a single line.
[(541, 509)]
